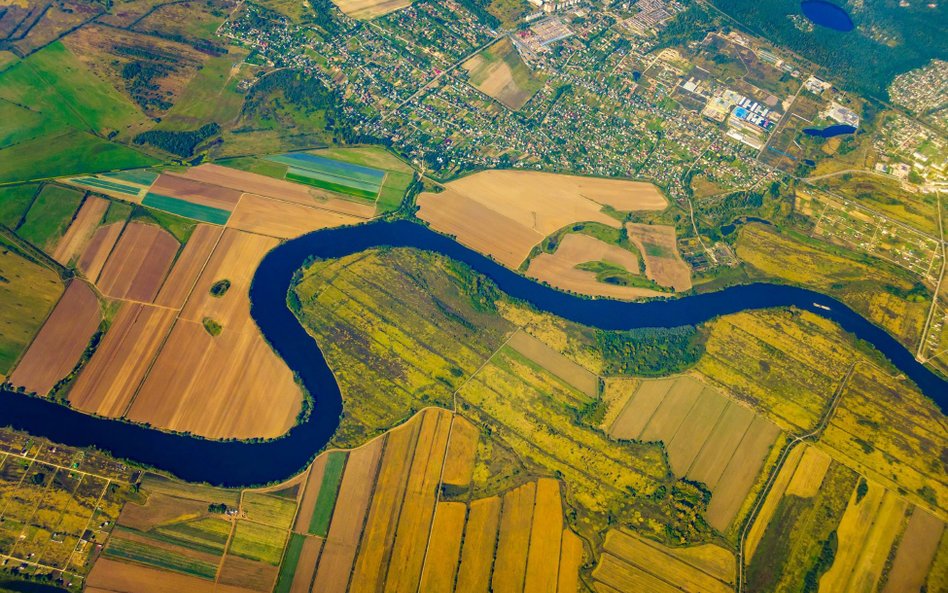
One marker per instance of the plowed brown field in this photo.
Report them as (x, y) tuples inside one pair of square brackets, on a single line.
[(98, 249), (109, 381), (138, 264), (60, 343)]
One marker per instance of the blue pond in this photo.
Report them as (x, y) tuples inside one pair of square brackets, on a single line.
[(827, 15), (830, 131)]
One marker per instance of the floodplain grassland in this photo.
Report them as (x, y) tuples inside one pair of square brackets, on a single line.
[(789, 551), (786, 363), (28, 292), (888, 431), (412, 316), (889, 296)]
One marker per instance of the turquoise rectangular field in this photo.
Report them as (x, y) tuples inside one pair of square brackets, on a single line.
[(186, 209)]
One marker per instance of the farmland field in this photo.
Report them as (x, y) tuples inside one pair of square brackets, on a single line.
[(48, 218), (59, 345), (90, 214), (27, 295), (347, 178), (137, 266), (505, 213), (499, 72), (15, 200), (370, 9), (708, 438), (564, 268), (629, 563), (663, 263)]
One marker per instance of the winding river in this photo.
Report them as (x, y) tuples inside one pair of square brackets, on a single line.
[(233, 463)]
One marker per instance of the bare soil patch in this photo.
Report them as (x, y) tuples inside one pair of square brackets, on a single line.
[(60, 343), (138, 264), (663, 263)]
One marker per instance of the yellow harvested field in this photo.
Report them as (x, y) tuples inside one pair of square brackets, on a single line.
[(414, 521), (462, 446), (306, 565), (97, 250), (137, 265), (59, 345), (558, 364), (866, 533), (808, 478), (345, 528), (694, 430), (709, 438), (80, 231), (379, 533), (559, 268), (766, 513), (504, 213), (663, 262), (571, 560), (545, 535), (255, 397), (370, 9), (235, 259), (637, 412), (630, 563), (480, 537), (109, 381), (284, 220), (723, 441), (915, 553), (229, 385), (510, 564), (478, 227), (679, 400), (118, 577), (741, 472), (444, 546), (188, 266)]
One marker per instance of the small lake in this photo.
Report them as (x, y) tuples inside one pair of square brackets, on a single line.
[(827, 14), (830, 131)]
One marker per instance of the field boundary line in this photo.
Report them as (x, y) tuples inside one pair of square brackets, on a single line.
[(813, 435), (174, 324), (941, 277), (447, 447)]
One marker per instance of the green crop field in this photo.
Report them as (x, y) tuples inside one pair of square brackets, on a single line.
[(53, 82), (326, 501), (140, 176), (398, 174), (268, 509), (71, 153), (28, 292), (290, 560), (186, 209), (15, 200), (256, 541), (49, 216), (125, 549), (208, 534)]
